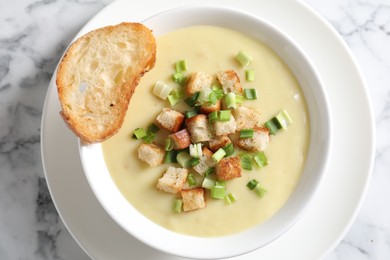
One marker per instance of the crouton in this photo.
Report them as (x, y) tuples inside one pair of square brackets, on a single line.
[(197, 81), (219, 142), (205, 162), (151, 154), (246, 118), (198, 126), (230, 81), (207, 108), (170, 119), (193, 199), (228, 168), (224, 127), (173, 180), (181, 139), (258, 142)]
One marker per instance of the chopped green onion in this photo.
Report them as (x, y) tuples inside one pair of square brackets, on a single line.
[(204, 95), (172, 100), (218, 155), (162, 90), (243, 58), (246, 162), (239, 99), (150, 136), (191, 101), (196, 150), (209, 171), (250, 75), (179, 78), (177, 205), (218, 93), (213, 116), (273, 126), (180, 66), (194, 162), (153, 128), (184, 159), (218, 192), (169, 144), (208, 183), (260, 159), (250, 93), (230, 100), (213, 98), (230, 198), (252, 184), (247, 133), (139, 133), (220, 183), (260, 191), (190, 114), (284, 119), (229, 149), (224, 115), (170, 156), (191, 179)]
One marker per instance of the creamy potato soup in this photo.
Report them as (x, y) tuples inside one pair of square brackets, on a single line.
[(211, 49)]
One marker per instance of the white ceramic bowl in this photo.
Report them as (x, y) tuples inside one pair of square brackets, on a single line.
[(220, 247)]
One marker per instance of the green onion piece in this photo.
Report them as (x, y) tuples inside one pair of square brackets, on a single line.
[(204, 95), (218, 155), (208, 183), (196, 150), (218, 192), (179, 78), (153, 128), (194, 162), (162, 90), (213, 116), (150, 136), (239, 99), (190, 114), (139, 133), (180, 66), (243, 58), (220, 183), (218, 93), (246, 162), (209, 171), (273, 126), (224, 115), (230, 198), (169, 144), (170, 156), (284, 119), (247, 133), (260, 159), (252, 184), (230, 100), (184, 159), (172, 100), (191, 179), (229, 149), (213, 98), (260, 191), (177, 205), (191, 101), (250, 93), (250, 75)]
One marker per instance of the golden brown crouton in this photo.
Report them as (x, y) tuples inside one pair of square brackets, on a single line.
[(224, 127), (246, 118), (173, 180), (207, 108), (151, 154), (258, 142), (219, 142), (197, 81), (181, 139), (198, 126), (230, 81), (193, 199), (228, 168), (205, 162), (170, 119)]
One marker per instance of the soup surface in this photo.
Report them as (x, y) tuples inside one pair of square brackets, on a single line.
[(211, 49)]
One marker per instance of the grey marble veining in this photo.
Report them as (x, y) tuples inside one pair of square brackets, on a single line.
[(33, 36)]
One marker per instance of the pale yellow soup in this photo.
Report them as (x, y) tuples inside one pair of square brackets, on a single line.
[(211, 49)]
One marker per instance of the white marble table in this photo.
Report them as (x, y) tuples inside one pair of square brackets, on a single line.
[(33, 35)]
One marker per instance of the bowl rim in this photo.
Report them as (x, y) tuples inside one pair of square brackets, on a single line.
[(221, 245)]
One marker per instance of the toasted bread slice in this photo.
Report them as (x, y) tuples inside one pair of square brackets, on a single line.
[(97, 77)]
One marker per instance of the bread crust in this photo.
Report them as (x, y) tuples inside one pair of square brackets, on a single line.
[(90, 129)]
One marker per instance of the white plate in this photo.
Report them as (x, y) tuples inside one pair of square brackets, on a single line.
[(333, 209)]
